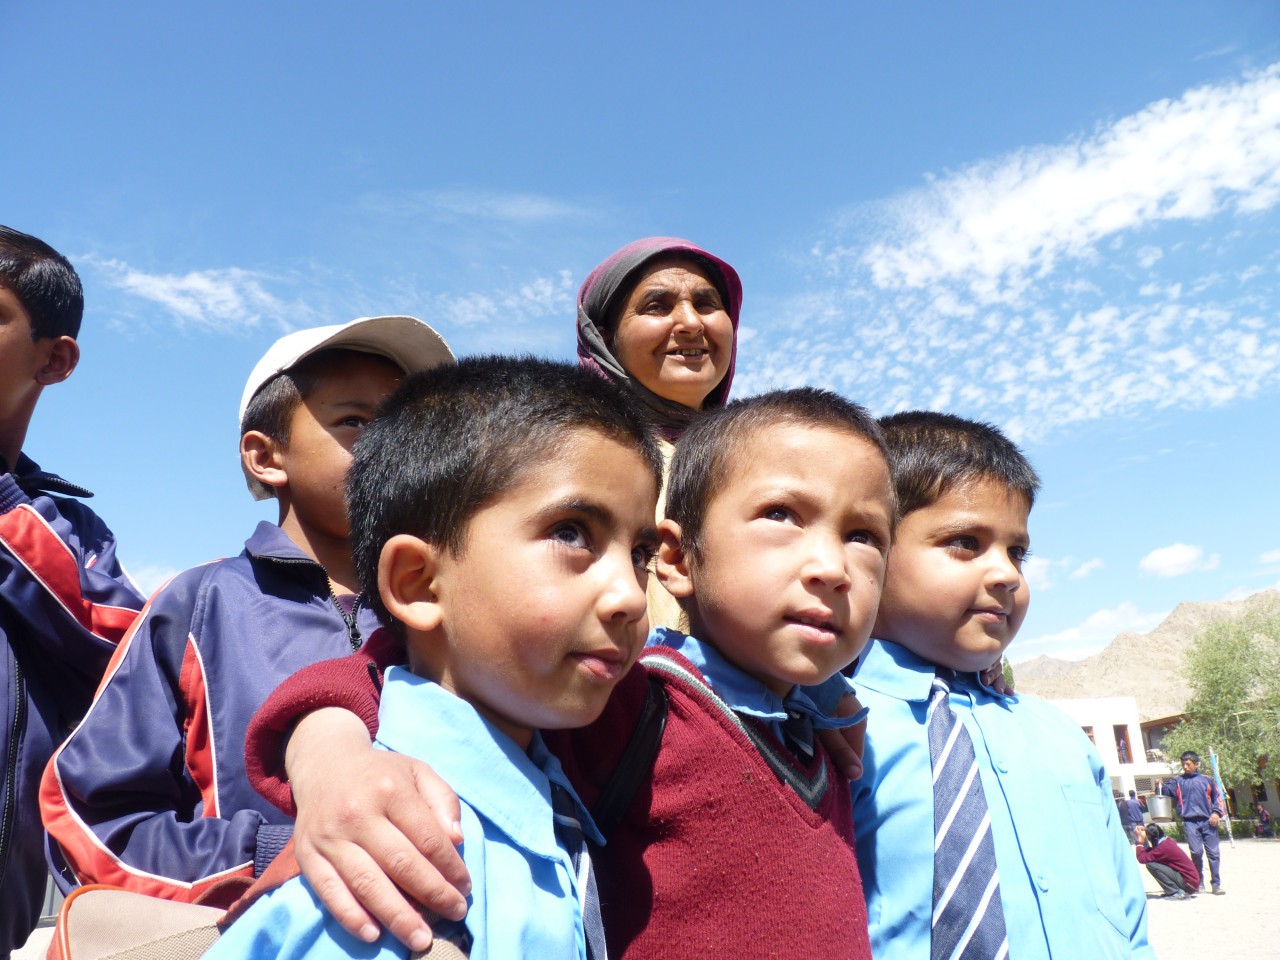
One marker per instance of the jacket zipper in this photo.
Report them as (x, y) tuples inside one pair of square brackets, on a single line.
[(11, 763), (353, 631)]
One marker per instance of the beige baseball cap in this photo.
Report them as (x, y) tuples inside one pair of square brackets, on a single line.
[(405, 341)]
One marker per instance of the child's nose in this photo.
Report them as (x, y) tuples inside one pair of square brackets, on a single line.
[(1003, 572), (827, 563), (623, 598)]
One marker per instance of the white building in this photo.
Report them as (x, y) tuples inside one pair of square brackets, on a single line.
[(1112, 724)]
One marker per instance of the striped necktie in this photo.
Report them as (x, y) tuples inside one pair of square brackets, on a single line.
[(569, 832), (968, 919)]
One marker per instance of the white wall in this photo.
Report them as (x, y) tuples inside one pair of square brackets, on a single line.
[(1104, 714)]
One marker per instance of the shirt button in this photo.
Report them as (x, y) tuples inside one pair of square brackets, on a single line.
[(1001, 766), (1042, 882)]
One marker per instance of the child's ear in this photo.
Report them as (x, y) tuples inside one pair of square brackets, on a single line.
[(673, 563), (261, 458), (60, 363), (407, 570)]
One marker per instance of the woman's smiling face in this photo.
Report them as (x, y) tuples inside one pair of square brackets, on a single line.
[(674, 335)]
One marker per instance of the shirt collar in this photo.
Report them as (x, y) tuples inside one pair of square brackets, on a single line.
[(484, 766), (892, 669), (33, 480), (741, 691), (269, 542)]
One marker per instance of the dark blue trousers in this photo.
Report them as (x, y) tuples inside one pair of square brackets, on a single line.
[(1203, 839)]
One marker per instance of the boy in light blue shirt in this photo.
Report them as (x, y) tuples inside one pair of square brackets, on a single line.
[(973, 871), (502, 522)]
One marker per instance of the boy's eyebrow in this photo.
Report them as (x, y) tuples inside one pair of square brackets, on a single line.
[(596, 511), (967, 524), (361, 406)]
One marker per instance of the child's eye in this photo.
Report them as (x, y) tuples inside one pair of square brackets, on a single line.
[(1019, 554), (571, 535), (353, 421), (863, 536), (965, 543), (643, 555), (777, 514)]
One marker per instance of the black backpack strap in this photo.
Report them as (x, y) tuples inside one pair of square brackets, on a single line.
[(636, 761)]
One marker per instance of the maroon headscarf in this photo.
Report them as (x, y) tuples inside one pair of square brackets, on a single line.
[(612, 281)]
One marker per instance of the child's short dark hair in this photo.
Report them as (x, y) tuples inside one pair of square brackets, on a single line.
[(700, 468), (1155, 833), (933, 453), (450, 440), (270, 410), (44, 282), (1190, 755)]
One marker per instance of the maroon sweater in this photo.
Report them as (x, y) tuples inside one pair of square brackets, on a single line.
[(731, 848), (1170, 854)]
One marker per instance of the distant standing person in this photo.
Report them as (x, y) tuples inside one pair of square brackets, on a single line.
[(1136, 811), (1164, 860), (1200, 806)]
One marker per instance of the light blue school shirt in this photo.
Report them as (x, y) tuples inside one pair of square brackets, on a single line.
[(1069, 882), (524, 895), (746, 695)]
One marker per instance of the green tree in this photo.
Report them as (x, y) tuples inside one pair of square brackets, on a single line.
[(1234, 708), (1008, 673)]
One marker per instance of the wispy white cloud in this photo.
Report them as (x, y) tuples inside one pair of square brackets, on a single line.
[(1178, 559), (216, 299), (1270, 557), (1088, 637), (481, 205), (1025, 289), (1241, 593), (1087, 568), (1043, 573), (1224, 51), (1037, 571), (532, 300), (997, 226), (151, 577)]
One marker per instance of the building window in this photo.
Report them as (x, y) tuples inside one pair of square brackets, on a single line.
[(1121, 734)]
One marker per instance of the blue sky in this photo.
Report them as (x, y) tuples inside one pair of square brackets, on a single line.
[(1063, 220)]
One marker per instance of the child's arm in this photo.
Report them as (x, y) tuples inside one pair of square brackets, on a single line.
[(60, 580), (392, 826), (131, 797), (394, 820)]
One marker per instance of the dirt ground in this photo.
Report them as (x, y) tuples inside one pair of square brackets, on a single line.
[(1244, 922)]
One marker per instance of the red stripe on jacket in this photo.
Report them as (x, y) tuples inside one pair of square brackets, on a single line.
[(50, 561)]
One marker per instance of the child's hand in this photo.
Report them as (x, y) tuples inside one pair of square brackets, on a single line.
[(845, 746), (372, 827), (993, 677)]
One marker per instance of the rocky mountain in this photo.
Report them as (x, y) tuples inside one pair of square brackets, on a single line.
[(1145, 666)]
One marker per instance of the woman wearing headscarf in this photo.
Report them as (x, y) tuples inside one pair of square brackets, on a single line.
[(660, 318)]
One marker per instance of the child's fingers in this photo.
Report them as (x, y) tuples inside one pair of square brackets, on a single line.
[(360, 895), (330, 888), (444, 805), (845, 746), (424, 864), (844, 750)]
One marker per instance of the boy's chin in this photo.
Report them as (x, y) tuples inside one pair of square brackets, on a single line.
[(959, 658)]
